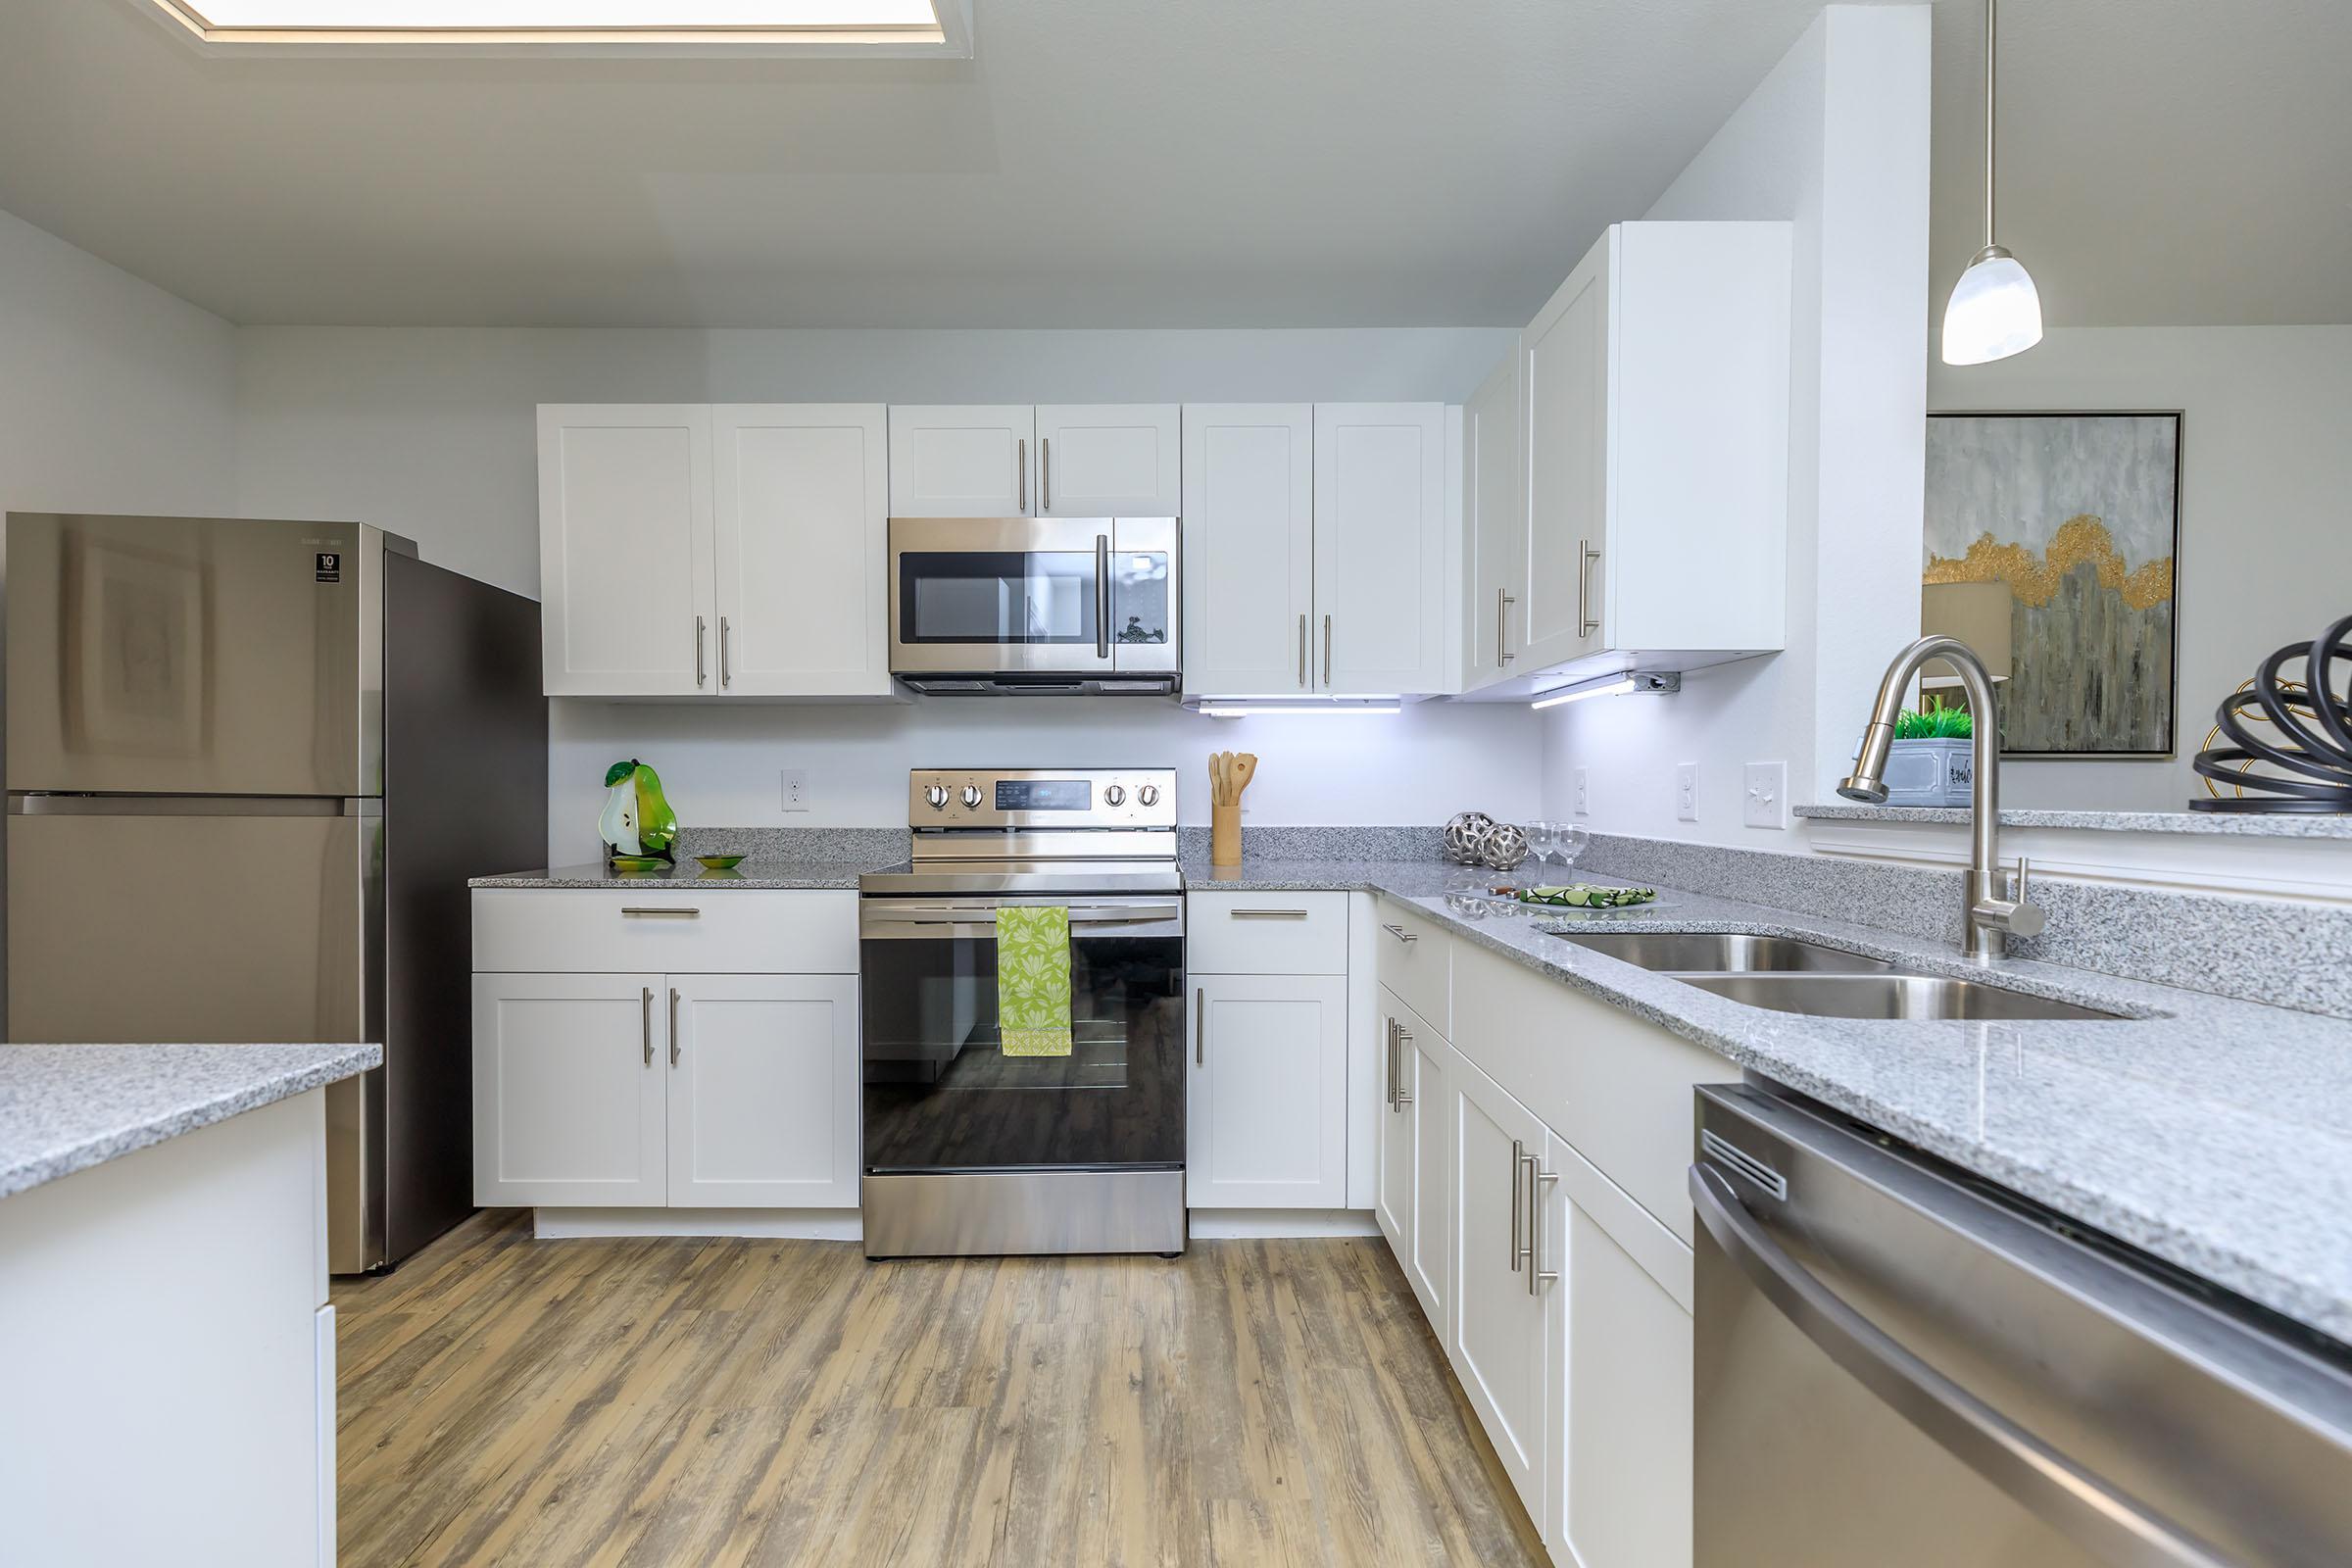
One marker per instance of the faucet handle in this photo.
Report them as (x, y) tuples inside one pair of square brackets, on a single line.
[(2024, 918), (2025, 870)]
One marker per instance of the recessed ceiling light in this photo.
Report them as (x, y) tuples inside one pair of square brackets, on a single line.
[(700, 25)]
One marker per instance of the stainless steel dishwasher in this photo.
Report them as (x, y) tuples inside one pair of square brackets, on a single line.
[(1896, 1364)]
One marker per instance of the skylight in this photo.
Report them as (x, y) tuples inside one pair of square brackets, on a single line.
[(914, 25)]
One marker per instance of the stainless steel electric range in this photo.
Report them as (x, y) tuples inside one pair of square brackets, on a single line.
[(968, 1150)]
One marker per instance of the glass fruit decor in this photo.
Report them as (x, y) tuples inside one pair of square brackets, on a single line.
[(637, 823)]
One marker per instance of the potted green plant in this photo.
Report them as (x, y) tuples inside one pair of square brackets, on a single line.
[(1932, 759)]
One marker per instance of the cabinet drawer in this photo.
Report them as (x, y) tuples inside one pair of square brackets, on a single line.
[(1416, 961), (664, 931), (1267, 933)]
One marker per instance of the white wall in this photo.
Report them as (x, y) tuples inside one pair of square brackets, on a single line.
[(2266, 508), (430, 433), (114, 396), (1836, 140)]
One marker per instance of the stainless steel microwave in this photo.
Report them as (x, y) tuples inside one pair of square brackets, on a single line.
[(1014, 605)]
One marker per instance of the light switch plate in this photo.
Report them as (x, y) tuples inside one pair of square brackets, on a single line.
[(796, 789), (1766, 794), (1583, 792), (1686, 791)]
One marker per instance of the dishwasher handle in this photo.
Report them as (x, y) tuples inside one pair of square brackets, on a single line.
[(2087, 1508)]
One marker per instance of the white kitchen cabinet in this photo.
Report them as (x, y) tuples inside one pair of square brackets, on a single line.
[(1380, 547), (1495, 525), (626, 555), (1414, 1168), (1248, 547), (801, 504), (1109, 460), (963, 460), (714, 551), (1498, 1343), (1266, 1108), (1655, 389), (763, 1091), (569, 1090)]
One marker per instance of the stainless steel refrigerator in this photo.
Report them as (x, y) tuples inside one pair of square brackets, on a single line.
[(250, 766)]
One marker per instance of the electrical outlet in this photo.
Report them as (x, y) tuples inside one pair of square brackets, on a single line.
[(1584, 793), (1766, 795), (796, 789), (1686, 791)]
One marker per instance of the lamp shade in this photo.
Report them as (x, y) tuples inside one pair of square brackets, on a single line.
[(1995, 310)]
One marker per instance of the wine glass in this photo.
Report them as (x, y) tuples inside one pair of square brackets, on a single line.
[(1570, 841)]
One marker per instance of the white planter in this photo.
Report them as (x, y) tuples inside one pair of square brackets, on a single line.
[(1931, 772)]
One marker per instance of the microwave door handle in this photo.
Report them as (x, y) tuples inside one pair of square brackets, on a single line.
[(2092, 1511), (1102, 596)]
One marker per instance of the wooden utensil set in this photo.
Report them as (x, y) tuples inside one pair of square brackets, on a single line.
[(1229, 773)]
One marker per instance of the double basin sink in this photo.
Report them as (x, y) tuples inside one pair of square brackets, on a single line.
[(1787, 975)]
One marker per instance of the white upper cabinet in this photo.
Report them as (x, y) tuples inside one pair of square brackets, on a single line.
[(1494, 524), (1656, 394), (1380, 547), (1248, 547), (1111, 459), (963, 460), (802, 551), (693, 550), (626, 550)]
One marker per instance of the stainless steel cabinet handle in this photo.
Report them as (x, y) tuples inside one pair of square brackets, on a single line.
[(1199, 1028), (1327, 649), (701, 674), (1044, 475), (1400, 933), (673, 1026), (1303, 647), (1518, 1163), (1394, 1107), (2111, 1524), (1101, 596), (1399, 1097), (1269, 915), (1502, 621), (1020, 468), (1586, 555), (644, 1020), (1538, 1178), (727, 676), (638, 913)]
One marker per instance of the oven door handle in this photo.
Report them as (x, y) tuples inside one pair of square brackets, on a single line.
[(2085, 1507), (931, 920)]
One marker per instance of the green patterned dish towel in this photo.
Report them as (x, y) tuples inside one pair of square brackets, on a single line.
[(1033, 979)]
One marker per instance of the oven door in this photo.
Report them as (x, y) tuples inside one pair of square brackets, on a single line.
[(1000, 594), (941, 1096)]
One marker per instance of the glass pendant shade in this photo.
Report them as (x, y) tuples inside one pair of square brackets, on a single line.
[(1995, 310)]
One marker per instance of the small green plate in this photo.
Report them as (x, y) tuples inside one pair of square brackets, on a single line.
[(720, 862), (639, 862)]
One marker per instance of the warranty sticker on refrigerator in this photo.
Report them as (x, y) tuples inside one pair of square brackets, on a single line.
[(330, 565)]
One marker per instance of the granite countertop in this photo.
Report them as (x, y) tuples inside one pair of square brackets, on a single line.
[(63, 1108), (756, 874), (2228, 825), (2206, 1131)]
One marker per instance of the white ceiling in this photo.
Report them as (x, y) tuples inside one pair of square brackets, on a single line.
[(1142, 163)]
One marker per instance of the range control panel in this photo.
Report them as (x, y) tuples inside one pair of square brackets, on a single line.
[(1041, 798)]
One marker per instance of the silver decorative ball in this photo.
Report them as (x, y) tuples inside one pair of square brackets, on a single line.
[(1506, 847), (1466, 837)]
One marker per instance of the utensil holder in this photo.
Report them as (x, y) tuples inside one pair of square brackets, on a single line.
[(1225, 834)]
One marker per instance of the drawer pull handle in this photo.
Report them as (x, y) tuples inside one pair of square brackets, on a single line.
[(1400, 933), (639, 913), (1269, 915)]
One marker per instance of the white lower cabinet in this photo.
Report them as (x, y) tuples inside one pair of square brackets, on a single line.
[(1498, 1344), (1266, 1110), (569, 1087), (763, 1091), (1414, 1177)]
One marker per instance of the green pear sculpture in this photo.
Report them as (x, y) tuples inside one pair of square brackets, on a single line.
[(637, 822)]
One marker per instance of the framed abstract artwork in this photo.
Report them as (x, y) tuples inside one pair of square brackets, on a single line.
[(2050, 547)]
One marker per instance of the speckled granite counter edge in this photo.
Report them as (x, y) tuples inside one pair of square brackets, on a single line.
[(83, 1147), (2223, 824)]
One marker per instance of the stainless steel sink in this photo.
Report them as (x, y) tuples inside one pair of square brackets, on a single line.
[(1680, 953), (1885, 995)]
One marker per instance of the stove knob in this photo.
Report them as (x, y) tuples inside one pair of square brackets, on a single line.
[(1148, 795), (1114, 795), (971, 797), (937, 795)]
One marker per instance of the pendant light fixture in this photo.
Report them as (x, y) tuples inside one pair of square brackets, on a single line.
[(1994, 309)]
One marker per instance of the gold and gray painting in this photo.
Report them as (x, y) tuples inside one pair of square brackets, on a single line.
[(2050, 544)]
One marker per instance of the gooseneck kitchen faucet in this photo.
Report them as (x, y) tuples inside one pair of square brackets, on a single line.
[(1991, 918)]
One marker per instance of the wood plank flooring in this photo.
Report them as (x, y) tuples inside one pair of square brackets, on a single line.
[(511, 1400)]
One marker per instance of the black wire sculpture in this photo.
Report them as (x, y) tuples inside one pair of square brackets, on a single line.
[(2313, 754)]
